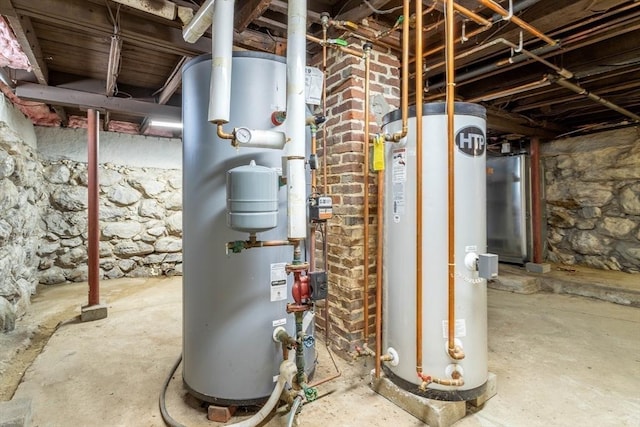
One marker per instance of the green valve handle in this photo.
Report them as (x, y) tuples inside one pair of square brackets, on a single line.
[(399, 20), (339, 42), (311, 393)]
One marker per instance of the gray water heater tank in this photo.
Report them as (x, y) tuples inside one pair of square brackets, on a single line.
[(232, 302), (252, 198)]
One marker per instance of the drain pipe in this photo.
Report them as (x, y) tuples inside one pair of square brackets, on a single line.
[(419, 93), (221, 63), (582, 91), (455, 351), (199, 23), (287, 373)]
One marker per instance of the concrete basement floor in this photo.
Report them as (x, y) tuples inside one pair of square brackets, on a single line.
[(560, 361)]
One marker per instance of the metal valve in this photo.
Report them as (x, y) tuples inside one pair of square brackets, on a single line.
[(308, 341)]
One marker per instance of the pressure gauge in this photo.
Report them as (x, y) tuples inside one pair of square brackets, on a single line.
[(243, 135)]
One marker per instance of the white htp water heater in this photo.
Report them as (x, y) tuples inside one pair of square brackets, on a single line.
[(399, 281)]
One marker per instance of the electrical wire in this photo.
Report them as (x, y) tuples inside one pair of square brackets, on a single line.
[(382, 12)]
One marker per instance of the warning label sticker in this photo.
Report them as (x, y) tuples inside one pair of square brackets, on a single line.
[(278, 281), (460, 329), (399, 174)]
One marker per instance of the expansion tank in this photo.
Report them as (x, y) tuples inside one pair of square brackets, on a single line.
[(231, 302), (399, 284)]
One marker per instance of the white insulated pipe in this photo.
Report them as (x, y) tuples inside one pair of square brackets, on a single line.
[(221, 57), (199, 23), (295, 122), (288, 370)]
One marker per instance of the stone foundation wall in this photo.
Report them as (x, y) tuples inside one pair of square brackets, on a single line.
[(21, 198), (593, 200), (140, 222)]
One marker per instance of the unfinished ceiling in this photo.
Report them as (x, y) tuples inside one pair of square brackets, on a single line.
[(127, 61)]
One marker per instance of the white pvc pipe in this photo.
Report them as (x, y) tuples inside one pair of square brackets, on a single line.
[(221, 53), (261, 138), (199, 23), (296, 199), (295, 122)]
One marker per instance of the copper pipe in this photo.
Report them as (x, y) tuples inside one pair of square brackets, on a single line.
[(312, 226), (221, 133), (472, 15), (419, 93), (396, 137), (379, 254), (536, 200), (454, 351), (582, 91), (324, 112), (93, 237), (341, 48), (367, 71), (519, 22)]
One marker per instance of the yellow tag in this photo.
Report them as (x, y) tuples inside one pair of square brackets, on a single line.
[(378, 153)]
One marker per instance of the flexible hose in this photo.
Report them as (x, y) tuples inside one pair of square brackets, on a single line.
[(287, 372), (163, 407), (294, 408)]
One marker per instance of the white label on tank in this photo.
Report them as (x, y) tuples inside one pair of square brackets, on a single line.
[(279, 322), (399, 165), (399, 174), (313, 85), (472, 248), (278, 281), (461, 328)]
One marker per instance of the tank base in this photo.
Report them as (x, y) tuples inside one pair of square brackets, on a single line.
[(258, 401), (445, 395), (217, 401), (435, 413)]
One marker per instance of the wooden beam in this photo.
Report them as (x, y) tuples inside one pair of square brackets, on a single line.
[(135, 30), (280, 6), (248, 11), (26, 36), (256, 40), (502, 122), (271, 24), (82, 100), (173, 82)]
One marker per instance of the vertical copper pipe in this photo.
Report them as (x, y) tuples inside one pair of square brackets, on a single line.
[(419, 93), (325, 155), (93, 238), (450, 77), (536, 201), (312, 225), (367, 60), (379, 253), (404, 106)]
